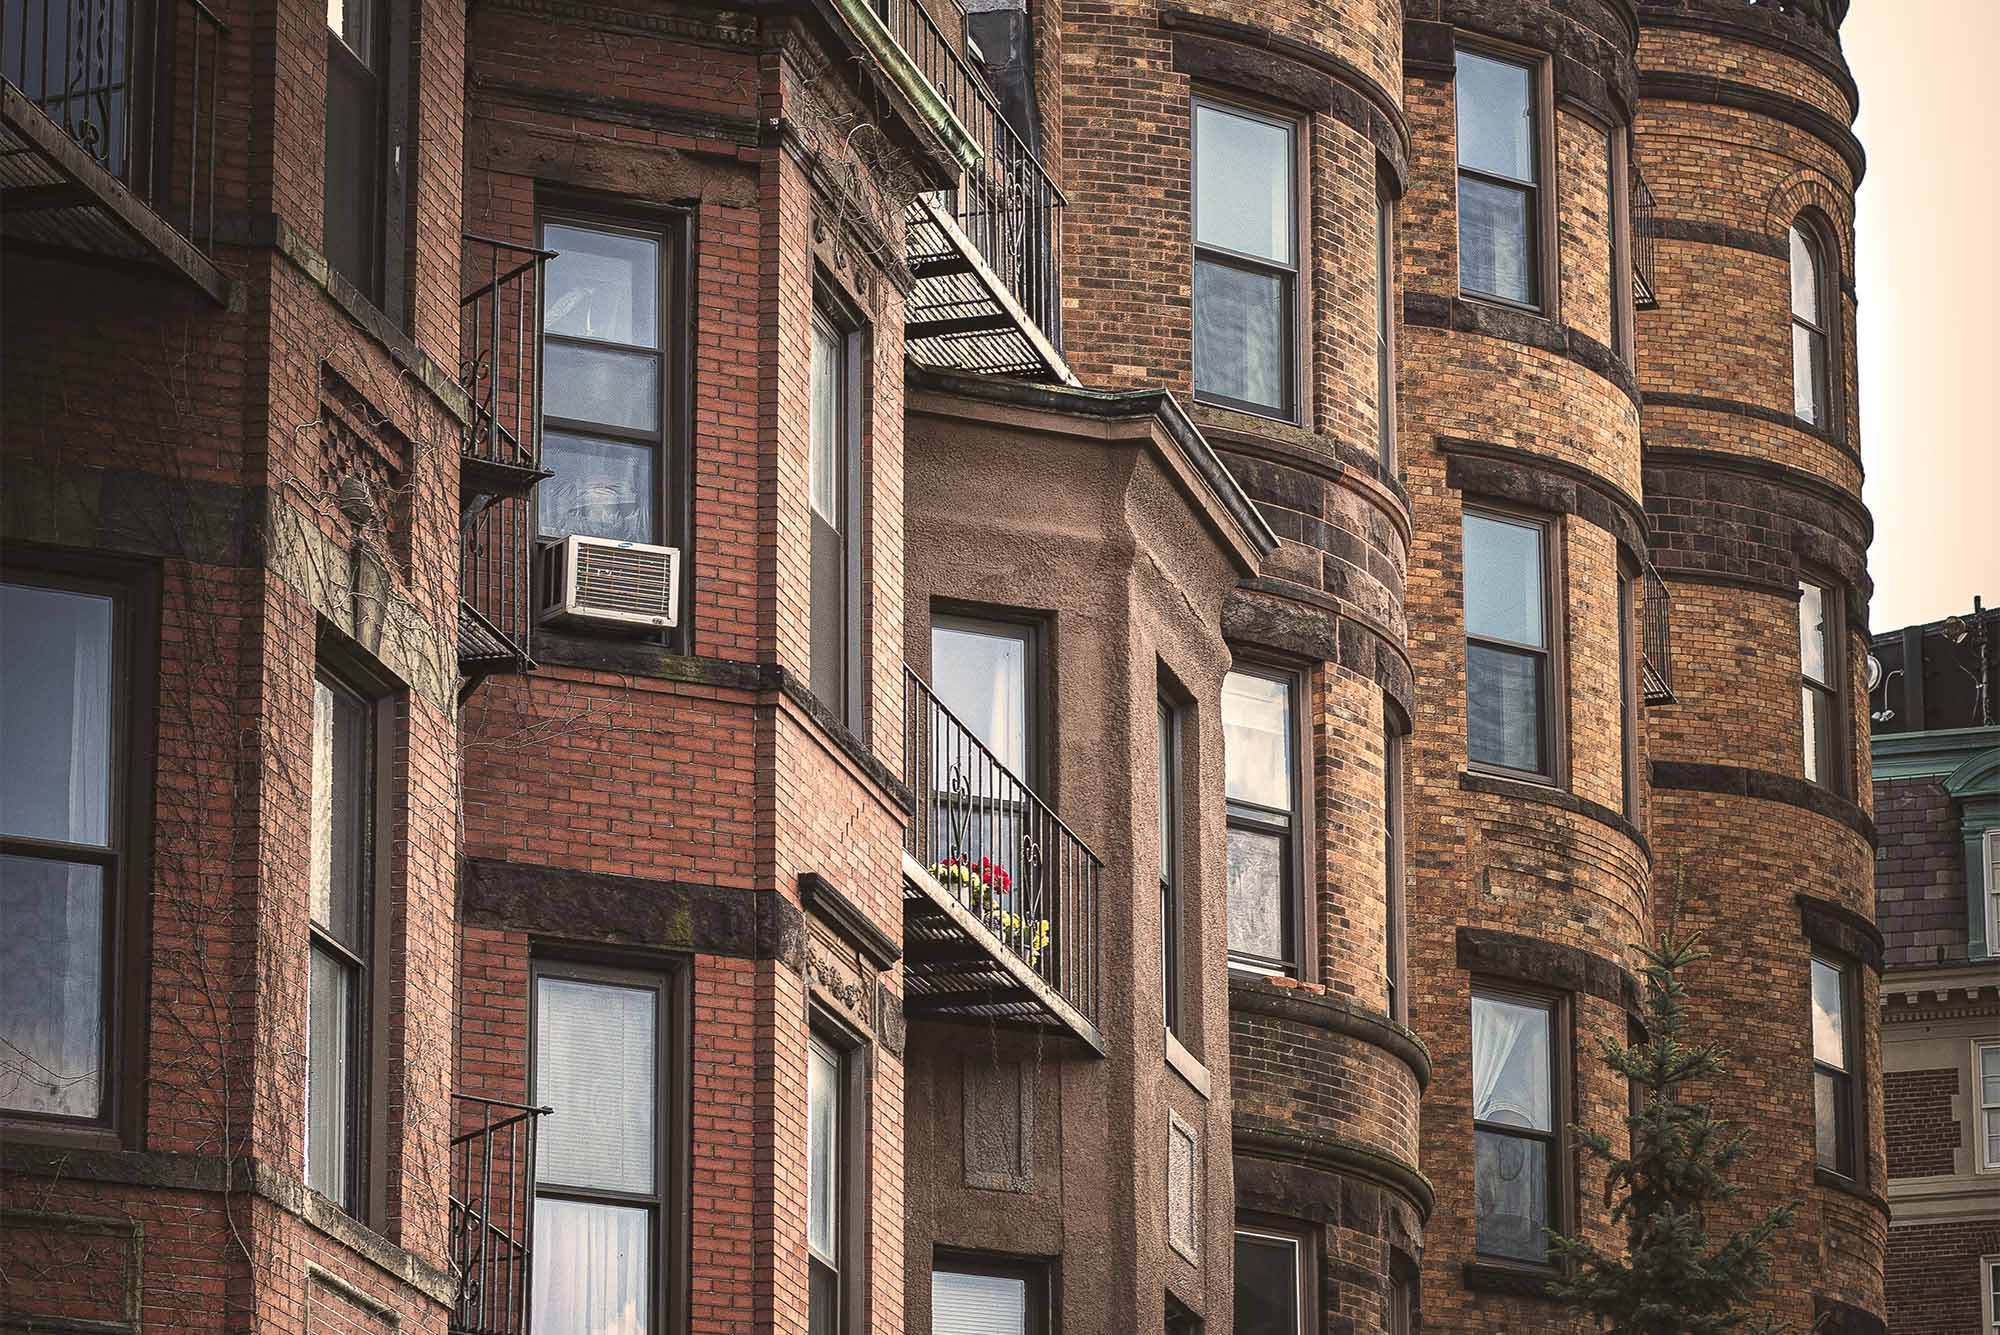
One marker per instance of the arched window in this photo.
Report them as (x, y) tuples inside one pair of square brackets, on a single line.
[(1812, 318)]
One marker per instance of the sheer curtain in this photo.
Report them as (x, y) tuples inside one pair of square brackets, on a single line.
[(90, 733), (591, 1269), (1510, 1064)]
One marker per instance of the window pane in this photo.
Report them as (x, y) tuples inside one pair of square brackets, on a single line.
[(1829, 1121), (602, 285), (601, 488), (602, 385), (823, 1151), (1816, 706), (1989, 1077), (1496, 247), (1829, 1019), (329, 1078), (1240, 335), (1257, 740), (1503, 694), (1805, 277), (822, 1299), (1510, 1180), (1992, 1139), (51, 987), (1512, 1081), (593, 1268), (963, 1304), (594, 1050), (1496, 116), (981, 675), (340, 815), (826, 426), (1267, 1286), (1503, 580), (1808, 374), (353, 22), (1164, 781), (55, 715), (1257, 894), (1812, 631), (1243, 184)]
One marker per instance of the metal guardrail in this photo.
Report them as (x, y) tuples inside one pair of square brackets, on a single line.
[(492, 1215), (1645, 244), (500, 339), (1008, 206), (999, 850), (136, 86), (1655, 621)]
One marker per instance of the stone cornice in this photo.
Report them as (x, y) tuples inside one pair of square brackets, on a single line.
[(1763, 785), (1277, 1142), (1508, 473)]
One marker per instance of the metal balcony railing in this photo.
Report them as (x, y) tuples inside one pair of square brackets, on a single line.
[(1645, 245), (492, 1215), (1655, 609), (1007, 206), (1014, 877), (500, 461), (112, 91)]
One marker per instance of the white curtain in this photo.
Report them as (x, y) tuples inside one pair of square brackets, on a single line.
[(592, 1269), (1510, 1064), (90, 730)]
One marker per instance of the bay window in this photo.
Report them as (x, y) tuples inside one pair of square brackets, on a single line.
[(1246, 263), (1500, 203), (1516, 1117), (1509, 663), (1261, 778)]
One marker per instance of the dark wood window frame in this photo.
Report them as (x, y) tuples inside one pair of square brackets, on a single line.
[(1305, 1239), (1850, 1154), (1385, 323), (1033, 630), (1037, 1274), (1289, 826), (1819, 240), (1629, 672), (1562, 1065), (853, 1054), (1294, 324), (349, 670), (671, 978), (1395, 863), (1555, 623), (135, 590), (1545, 260), (1170, 782), (383, 279), (673, 477), (850, 326), (1831, 756)]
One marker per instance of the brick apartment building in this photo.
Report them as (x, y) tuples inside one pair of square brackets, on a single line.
[(1937, 885), (842, 665)]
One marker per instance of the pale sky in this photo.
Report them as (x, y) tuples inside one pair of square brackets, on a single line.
[(1928, 274)]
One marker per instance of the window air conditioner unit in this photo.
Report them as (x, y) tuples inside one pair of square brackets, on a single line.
[(618, 583)]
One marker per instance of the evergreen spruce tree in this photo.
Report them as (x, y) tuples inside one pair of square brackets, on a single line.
[(1667, 1279)]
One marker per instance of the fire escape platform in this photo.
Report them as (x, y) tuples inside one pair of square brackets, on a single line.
[(963, 316), (56, 197), (955, 967)]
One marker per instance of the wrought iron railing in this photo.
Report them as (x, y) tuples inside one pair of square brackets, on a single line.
[(1008, 206), (500, 337), (998, 849), (1655, 641), (1645, 245), (492, 1215), (137, 86)]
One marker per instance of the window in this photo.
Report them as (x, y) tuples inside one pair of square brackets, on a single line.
[(1991, 846), (366, 150), (984, 670), (64, 845), (1402, 1303), (1507, 659), (1812, 317), (1169, 780), (1618, 197), (1628, 690), (1986, 1074), (828, 1116), (1989, 1289), (982, 1296), (1499, 178), (836, 513), (1834, 1049), (600, 1061), (1270, 1284), (1819, 673), (605, 385), (341, 898), (1515, 1116), (1394, 944), (1261, 777), (1246, 259), (1385, 326)]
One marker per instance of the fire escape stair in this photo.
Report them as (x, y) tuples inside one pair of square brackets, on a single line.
[(962, 315)]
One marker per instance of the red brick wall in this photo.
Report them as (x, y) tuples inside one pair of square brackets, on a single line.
[(1924, 1128), (1934, 1276)]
